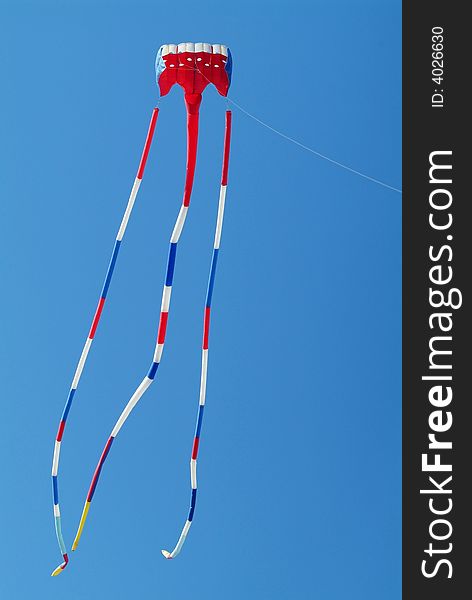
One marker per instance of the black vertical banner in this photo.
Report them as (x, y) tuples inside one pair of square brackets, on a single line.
[(437, 263)]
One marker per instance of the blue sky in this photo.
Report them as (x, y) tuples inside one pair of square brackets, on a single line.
[(299, 464)]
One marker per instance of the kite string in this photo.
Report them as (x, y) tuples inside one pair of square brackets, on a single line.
[(308, 149), (305, 147)]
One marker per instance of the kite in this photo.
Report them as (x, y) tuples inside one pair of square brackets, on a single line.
[(193, 67)]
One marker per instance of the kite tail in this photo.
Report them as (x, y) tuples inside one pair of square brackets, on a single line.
[(91, 335), (206, 330), (192, 102)]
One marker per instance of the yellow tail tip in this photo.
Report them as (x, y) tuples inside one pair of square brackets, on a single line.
[(56, 571), (81, 525)]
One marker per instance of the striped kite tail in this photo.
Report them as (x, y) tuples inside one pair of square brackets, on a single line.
[(206, 331), (89, 340), (192, 104)]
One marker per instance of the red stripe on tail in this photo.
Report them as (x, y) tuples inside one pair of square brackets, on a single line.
[(60, 431), (98, 468), (224, 174), (96, 318), (161, 336), (206, 327), (147, 145), (195, 448)]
